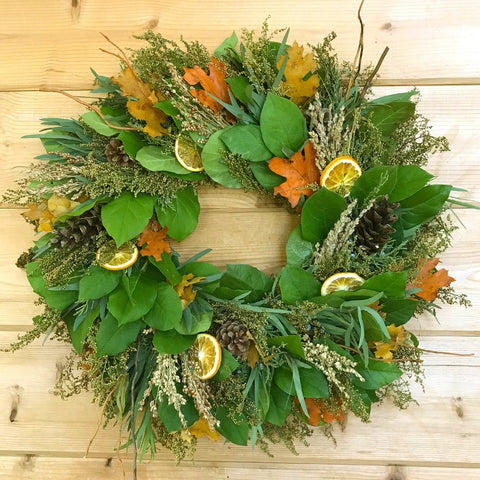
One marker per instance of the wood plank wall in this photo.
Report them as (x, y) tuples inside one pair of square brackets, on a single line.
[(434, 45)]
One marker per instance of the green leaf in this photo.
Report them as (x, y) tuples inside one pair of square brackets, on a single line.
[(203, 269), (240, 88), (399, 311), (171, 342), (181, 214), (212, 159), (377, 375), (280, 406), (313, 382), (283, 126), (133, 298), (168, 268), (166, 312), (320, 213), (291, 343), (246, 277), (227, 367), (79, 335), (98, 282), (228, 44), (389, 116), (153, 158), (59, 299), (113, 338), (93, 120), (127, 216), (297, 285), (82, 208), (392, 284), (132, 142), (169, 415), (246, 140), (236, 432), (410, 179), (379, 180), (265, 177), (197, 317), (299, 250)]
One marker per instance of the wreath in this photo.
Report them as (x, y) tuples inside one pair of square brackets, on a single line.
[(175, 349)]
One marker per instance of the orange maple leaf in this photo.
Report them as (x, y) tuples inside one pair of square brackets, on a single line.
[(429, 279), (317, 411), (299, 173), (154, 238), (214, 84), (141, 103)]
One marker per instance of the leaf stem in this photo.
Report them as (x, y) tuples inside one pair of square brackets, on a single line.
[(372, 75)]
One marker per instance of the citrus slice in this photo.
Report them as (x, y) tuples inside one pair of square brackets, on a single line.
[(205, 356), (340, 175), (341, 281), (188, 154), (112, 258)]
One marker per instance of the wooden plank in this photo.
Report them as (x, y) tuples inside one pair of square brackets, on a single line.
[(450, 110), (32, 467), (424, 46)]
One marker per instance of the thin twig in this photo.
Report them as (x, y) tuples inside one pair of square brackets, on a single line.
[(358, 55), (394, 360), (440, 352), (90, 107), (132, 417), (372, 75)]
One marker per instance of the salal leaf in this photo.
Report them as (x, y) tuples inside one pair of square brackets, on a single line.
[(132, 142), (97, 283), (127, 216), (228, 365), (247, 141), (113, 338), (227, 45), (265, 177), (379, 180), (291, 343), (153, 158), (234, 431), (246, 277), (171, 342), (392, 284), (377, 375), (399, 311), (168, 268), (282, 125), (313, 382), (389, 116), (166, 311), (299, 250), (197, 317), (169, 415), (280, 406), (410, 179), (297, 285)]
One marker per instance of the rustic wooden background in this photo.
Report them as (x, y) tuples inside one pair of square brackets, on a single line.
[(434, 45)]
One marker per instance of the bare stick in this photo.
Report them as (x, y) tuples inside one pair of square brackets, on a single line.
[(132, 416), (372, 75), (359, 54), (440, 352)]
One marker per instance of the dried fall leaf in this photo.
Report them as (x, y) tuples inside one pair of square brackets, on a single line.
[(398, 336), (318, 412), (298, 66), (141, 106), (299, 173), (214, 83), (429, 279), (201, 428), (185, 289), (154, 238), (252, 355)]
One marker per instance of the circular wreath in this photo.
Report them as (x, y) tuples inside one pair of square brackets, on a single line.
[(174, 349)]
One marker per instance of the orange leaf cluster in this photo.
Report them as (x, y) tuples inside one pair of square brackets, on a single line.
[(185, 289), (429, 279), (297, 68), (154, 238), (141, 103), (318, 412), (299, 172), (201, 428), (398, 336), (214, 84)]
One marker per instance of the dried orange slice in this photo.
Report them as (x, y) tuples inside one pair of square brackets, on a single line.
[(340, 175), (188, 154), (205, 356), (341, 281), (112, 258)]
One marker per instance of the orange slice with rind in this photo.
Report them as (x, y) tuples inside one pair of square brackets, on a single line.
[(341, 281), (112, 258), (340, 175), (205, 356), (188, 154)]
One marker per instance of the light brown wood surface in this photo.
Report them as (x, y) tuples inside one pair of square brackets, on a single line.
[(434, 46)]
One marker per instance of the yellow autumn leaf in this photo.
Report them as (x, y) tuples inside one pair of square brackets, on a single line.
[(398, 336), (60, 205), (298, 66), (185, 289), (141, 102), (201, 428)]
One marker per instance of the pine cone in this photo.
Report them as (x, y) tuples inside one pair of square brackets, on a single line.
[(232, 335), (82, 230), (374, 229), (116, 154)]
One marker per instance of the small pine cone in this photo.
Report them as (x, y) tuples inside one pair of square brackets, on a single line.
[(82, 230), (116, 154), (374, 228), (232, 335)]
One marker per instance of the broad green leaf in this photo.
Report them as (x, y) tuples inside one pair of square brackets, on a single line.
[(133, 298), (132, 142), (320, 213), (98, 282), (240, 88), (395, 97), (113, 338), (171, 342), (399, 311), (297, 285), (127, 216), (169, 415), (153, 158), (79, 334), (197, 317), (265, 177), (93, 120), (299, 250), (236, 432), (379, 180), (168, 268), (166, 312), (212, 159), (392, 284), (280, 406), (375, 329), (246, 140), (203, 269), (246, 277), (283, 126), (410, 179), (291, 343), (227, 45), (377, 375), (313, 382), (59, 299), (227, 367), (388, 117), (180, 215)]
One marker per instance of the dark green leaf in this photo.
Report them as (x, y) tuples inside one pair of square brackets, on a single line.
[(132, 142), (93, 120), (168, 268), (299, 250), (395, 97), (377, 375), (227, 367), (236, 432), (388, 117), (197, 317), (393, 284), (410, 179), (246, 277), (313, 382), (113, 338), (399, 311), (171, 342), (227, 45), (240, 86), (246, 140), (297, 285), (166, 312), (169, 415), (98, 282), (265, 177), (203, 269), (379, 180), (79, 334), (280, 406), (291, 343)]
